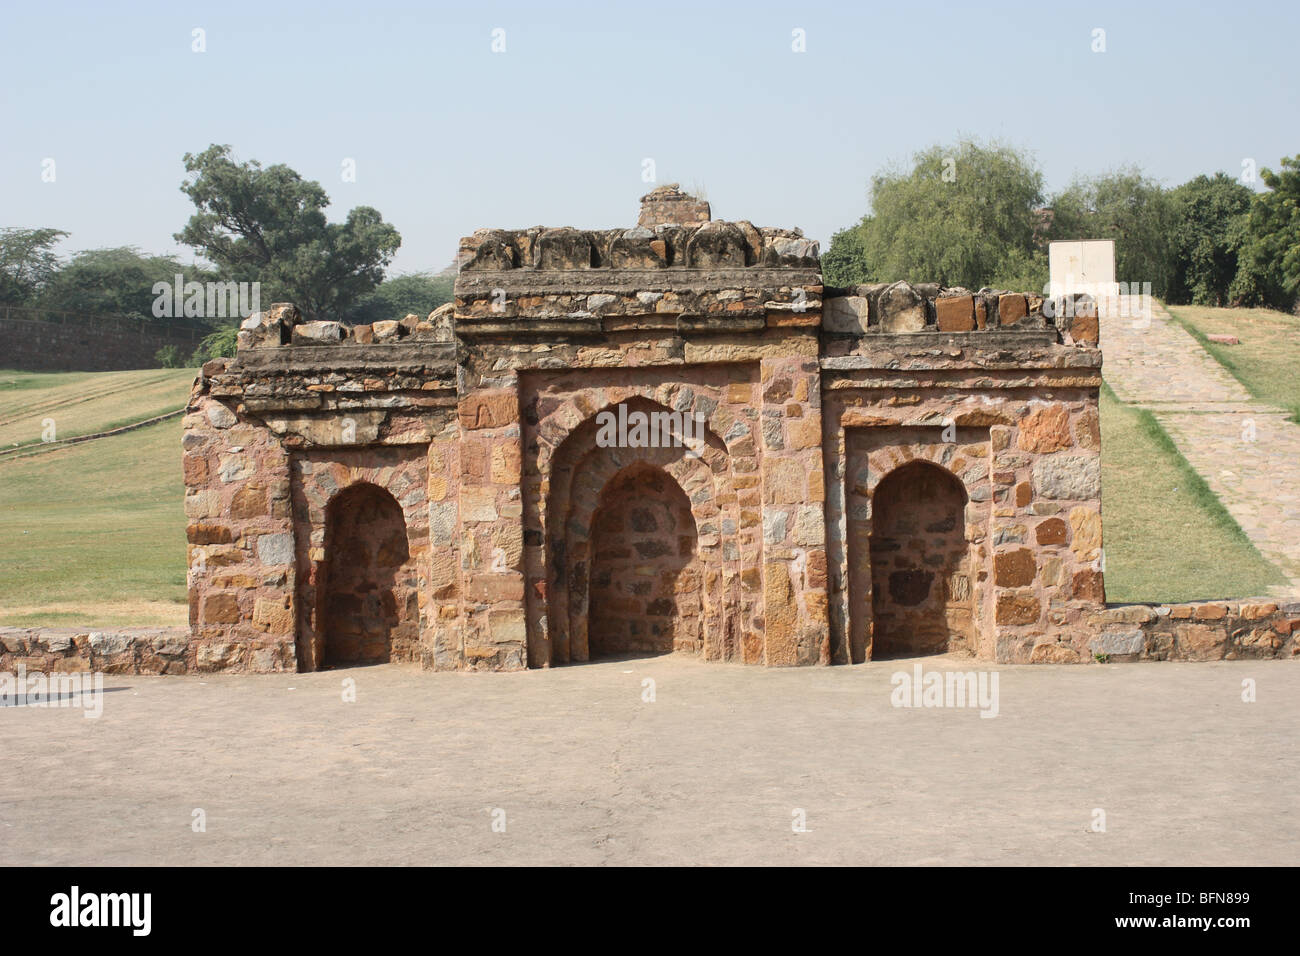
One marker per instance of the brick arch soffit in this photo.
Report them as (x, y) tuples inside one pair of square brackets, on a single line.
[(353, 488), (932, 457), (924, 461), (579, 446), (546, 454)]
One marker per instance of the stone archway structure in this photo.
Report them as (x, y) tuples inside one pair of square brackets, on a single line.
[(580, 472), (957, 469), (366, 610), (921, 567), (362, 555)]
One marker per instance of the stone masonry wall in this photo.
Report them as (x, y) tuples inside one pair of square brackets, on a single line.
[(92, 346), (271, 440)]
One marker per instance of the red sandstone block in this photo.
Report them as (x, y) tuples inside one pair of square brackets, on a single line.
[(955, 313), (1017, 608), (195, 469), (1084, 330), (1011, 308), (489, 409), (220, 608), (203, 533), (500, 586)]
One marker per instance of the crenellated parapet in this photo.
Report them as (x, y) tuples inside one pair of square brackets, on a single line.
[(676, 270), (904, 308), (709, 245)]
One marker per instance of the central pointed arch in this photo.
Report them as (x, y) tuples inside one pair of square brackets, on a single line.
[(579, 471)]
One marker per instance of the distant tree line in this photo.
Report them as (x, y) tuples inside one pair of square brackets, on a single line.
[(976, 215), (251, 224)]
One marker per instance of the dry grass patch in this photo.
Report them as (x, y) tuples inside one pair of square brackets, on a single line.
[(83, 403), (1267, 359)]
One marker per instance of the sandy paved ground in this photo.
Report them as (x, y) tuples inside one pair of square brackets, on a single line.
[(711, 771)]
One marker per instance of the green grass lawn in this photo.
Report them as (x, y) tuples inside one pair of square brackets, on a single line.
[(1167, 536), (1266, 360), (94, 533)]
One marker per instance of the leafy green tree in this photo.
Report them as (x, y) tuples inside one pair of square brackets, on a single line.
[(955, 218), (116, 281), (1130, 208), (27, 261), (221, 342), (1210, 215), (268, 225), (418, 292), (845, 261), (1024, 270), (170, 356), (1268, 270)]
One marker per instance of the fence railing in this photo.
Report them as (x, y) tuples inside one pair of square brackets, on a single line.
[(191, 330)]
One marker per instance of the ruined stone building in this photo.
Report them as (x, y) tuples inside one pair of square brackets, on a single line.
[(671, 437)]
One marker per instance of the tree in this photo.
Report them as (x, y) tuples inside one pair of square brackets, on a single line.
[(1133, 210), (1023, 270), (221, 342), (27, 261), (418, 292), (1268, 271), (845, 260), (1209, 214), (268, 225), (956, 218), (115, 281)]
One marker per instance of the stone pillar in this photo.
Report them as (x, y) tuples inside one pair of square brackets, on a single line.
[(441, 603), (491, 530), (794, 530), (241, 555)]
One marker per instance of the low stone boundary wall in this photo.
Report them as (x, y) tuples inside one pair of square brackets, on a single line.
[(1208, 631), (126, 650), (1205, 631)]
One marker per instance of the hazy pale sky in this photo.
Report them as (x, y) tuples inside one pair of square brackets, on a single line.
[(448, 136)]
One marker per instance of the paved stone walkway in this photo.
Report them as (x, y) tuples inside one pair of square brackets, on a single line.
[(579, 766), (1248, 452)]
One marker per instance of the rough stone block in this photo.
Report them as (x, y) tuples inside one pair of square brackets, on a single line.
[(319, 333), (902, 309), (1067, 477), (845, 314), (1118, 643), (1201, 642), (955, 313), (1012, 307)]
